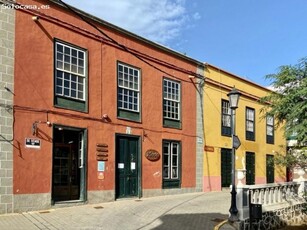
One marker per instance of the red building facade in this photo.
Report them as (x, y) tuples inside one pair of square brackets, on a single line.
[(99, 113)]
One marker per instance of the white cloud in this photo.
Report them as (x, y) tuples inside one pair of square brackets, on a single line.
[(196, 16), (157, 20)]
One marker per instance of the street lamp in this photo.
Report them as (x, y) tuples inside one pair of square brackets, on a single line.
[(233, 96)]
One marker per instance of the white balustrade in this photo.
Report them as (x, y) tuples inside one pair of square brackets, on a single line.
[(271, 196)]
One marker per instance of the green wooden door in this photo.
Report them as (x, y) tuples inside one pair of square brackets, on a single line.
[(269, 168), (226, 167), (127, 152), (250, 168)]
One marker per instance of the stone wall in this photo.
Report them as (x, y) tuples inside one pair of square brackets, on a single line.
[(276, 219), (7, 36), (199, 131)]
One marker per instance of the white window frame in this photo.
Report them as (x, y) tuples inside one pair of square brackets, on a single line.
[(171, 99), (270, 125), (128, 83), (70, 67), (226, 114), (250, 120), (171, 170)]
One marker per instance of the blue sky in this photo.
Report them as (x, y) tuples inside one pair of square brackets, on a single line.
[(249, 38)]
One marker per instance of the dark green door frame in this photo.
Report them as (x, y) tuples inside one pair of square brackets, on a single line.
[(250, 168), (128, 166), (270, 168), (226, 167), (82, 136)]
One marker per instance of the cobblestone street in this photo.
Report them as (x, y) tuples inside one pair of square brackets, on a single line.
[(187, 211)]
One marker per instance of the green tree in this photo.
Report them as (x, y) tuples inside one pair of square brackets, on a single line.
[(288, 104)]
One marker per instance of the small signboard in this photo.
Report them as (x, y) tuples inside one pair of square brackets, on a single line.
[(33, 143), (236, 142), (209, 148), (152, 155), (101, 166)]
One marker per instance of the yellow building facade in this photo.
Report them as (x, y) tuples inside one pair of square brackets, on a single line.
[(260, 141)]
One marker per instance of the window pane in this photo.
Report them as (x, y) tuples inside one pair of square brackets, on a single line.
[(74, 78), (165, 160), (175, 173), (59, 56), (81, 62), (270, 130), (80, 87), (128, 88), (171, 102), (66, 92), (70, 65), (73, 68), (250, 126), (73, 85), (67, 50), (226, 121), (74, 53), (73, 93), (165, 173), (81, 70), (66, 67), (270, 120), (59, 90), (59, 82), (59, 64), (66, 84), (59, 48), (74, 60), (175, 161), (250, 114), (170, 160)]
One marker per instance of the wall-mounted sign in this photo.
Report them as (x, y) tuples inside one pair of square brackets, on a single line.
[(102, 149), (33, 143), (152, 155), (102, 152), (128, 130), (101, 166), (209, 148), (101, 158)]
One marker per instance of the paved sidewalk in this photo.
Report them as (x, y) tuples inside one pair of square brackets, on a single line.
[(179, 212)]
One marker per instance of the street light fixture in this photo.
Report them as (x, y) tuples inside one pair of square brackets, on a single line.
[(233, 96)]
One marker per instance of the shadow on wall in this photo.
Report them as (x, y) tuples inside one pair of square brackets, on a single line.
[(186, 221)]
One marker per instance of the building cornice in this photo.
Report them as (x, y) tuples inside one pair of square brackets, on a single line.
[(237, 77)]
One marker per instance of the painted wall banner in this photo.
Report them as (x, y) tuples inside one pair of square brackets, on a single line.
[(152, 155), (33, 143)]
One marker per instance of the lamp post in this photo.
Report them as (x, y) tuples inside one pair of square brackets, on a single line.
[(233, 96)]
